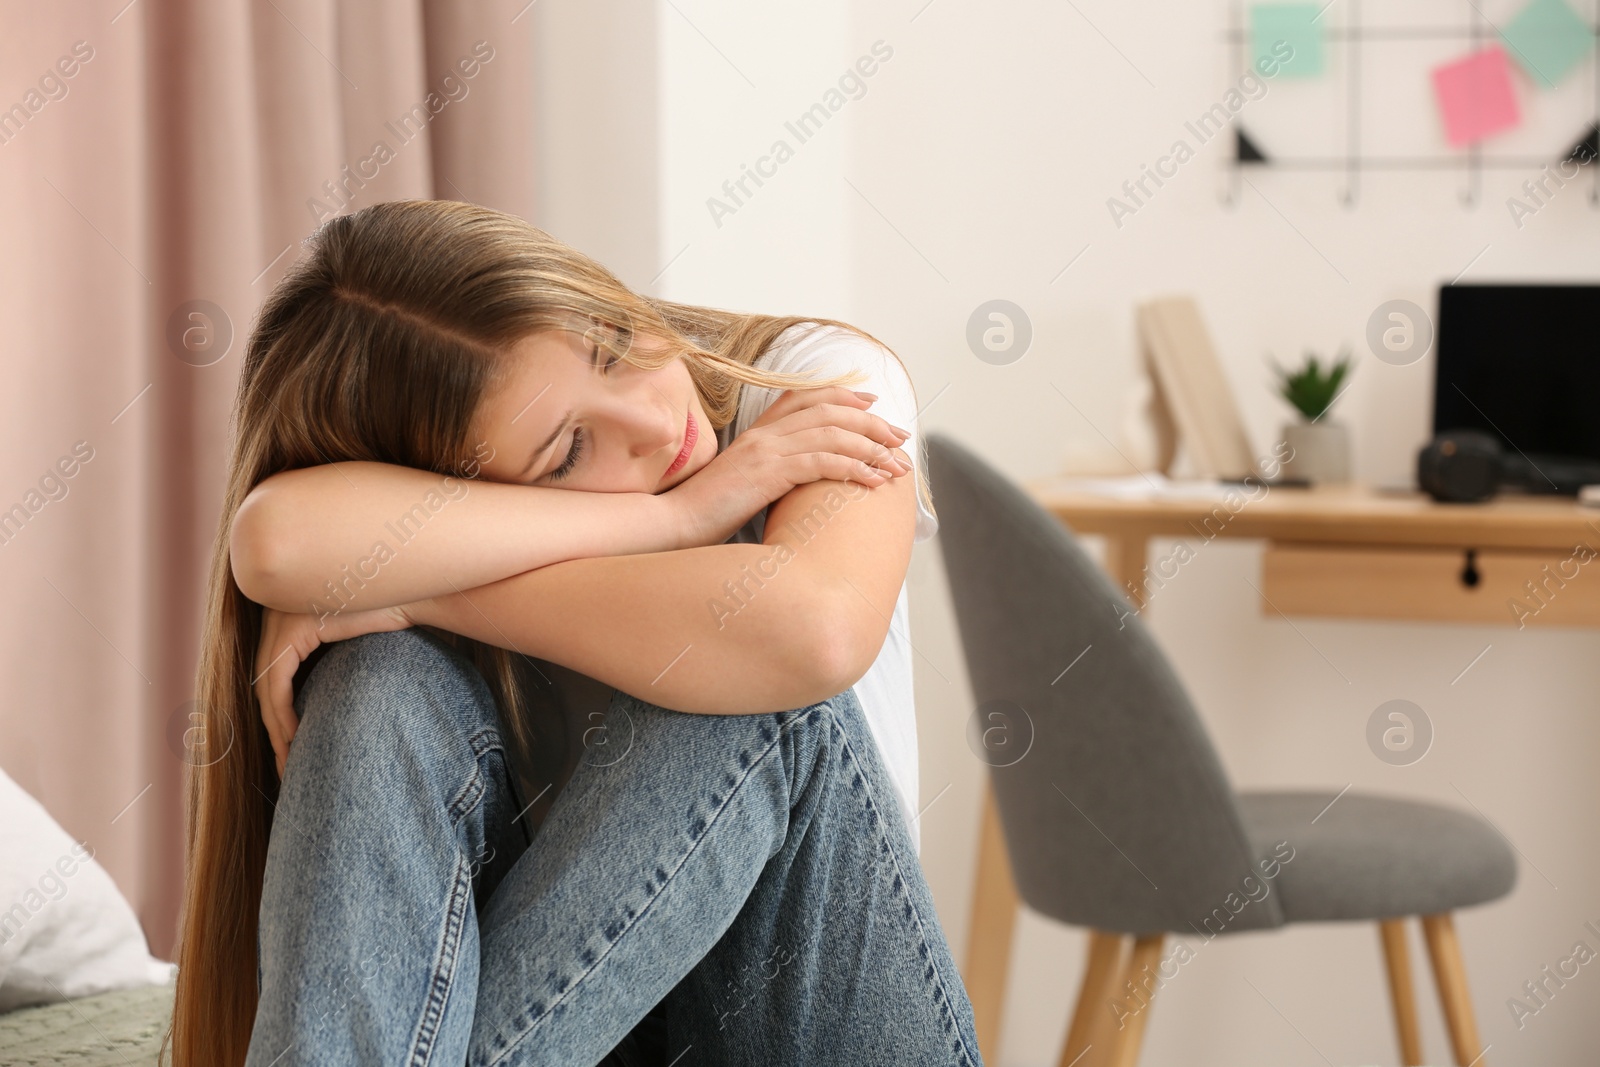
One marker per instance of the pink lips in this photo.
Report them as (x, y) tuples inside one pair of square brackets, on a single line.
[(690, 436)]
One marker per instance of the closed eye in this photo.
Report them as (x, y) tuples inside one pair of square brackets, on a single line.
[(575, 452), (573, 455)]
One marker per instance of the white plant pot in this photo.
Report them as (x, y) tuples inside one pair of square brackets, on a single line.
[(1320, 452)]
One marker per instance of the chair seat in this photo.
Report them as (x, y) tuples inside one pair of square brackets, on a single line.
[(1373, 857)]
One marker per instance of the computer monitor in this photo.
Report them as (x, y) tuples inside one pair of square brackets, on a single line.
[(1521, 362)]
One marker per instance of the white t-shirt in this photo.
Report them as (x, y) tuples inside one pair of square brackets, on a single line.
[(885, 690)]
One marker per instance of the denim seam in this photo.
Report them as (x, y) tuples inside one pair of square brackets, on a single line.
[(443, 971), (485, 741), (482, 742), (783, 728), (900, 875), (471, 792)]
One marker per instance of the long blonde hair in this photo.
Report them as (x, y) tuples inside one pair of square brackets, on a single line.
[(380, 344)]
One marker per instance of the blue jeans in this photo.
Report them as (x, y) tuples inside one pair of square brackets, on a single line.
[(745, 881)]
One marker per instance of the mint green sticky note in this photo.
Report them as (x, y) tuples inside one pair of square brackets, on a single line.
[(1288, 36), (1548, 39)]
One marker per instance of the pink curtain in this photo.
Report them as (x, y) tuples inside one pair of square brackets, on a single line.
[(160, 163)]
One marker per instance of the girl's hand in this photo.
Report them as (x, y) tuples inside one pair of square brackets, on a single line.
[(807, 435), (286, 640)]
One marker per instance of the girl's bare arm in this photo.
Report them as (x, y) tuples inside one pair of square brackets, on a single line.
[(373, 535), (363, 536), (723, 629), (718, 629)]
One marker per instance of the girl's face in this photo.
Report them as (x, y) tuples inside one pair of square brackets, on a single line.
[(568, 414)]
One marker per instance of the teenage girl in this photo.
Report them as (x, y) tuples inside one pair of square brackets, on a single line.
[(483, 496)]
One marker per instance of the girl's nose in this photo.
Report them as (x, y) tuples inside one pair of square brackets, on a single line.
[(648, 421), (657, 431)]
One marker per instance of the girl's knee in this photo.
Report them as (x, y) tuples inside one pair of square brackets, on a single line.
[(403, 687)]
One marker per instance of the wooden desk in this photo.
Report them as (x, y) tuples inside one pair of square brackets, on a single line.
[(1346, 552), (1356, 553)]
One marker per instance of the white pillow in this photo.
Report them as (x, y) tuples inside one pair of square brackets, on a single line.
[(65, 930)]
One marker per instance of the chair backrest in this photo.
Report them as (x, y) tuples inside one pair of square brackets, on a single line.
[(1117, 813)]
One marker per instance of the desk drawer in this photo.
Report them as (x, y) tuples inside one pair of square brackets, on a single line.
[(1512, 588)]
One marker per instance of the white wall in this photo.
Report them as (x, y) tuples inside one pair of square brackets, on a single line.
[(981, 157), (599, 168)]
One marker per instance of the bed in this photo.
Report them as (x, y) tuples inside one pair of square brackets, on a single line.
[(118, 1029)]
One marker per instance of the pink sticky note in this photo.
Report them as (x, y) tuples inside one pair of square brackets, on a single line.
[(1475, 96)]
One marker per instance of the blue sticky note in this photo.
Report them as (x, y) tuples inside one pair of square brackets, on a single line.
[(1277, 30), (1548, 39)]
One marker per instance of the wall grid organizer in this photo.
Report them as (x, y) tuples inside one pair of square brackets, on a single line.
[(1546, 41)]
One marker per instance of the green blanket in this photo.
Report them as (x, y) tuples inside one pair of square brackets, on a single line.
[(121, 1029)]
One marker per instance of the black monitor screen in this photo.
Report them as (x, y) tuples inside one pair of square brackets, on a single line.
[(1521, 362)]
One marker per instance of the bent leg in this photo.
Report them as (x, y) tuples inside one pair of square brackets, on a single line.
[(394, 823), (837, 956), (757, 863)]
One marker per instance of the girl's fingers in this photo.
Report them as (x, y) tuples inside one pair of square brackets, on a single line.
[(843, 443), (276, 662), (269, 718), (793, 400), (842, 469), (862, 422), (280, 690)]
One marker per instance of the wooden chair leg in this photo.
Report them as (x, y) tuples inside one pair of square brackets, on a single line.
[(1091, 1027), (1450, 973), (1392, 932), (1146, 955), (994, 917), (1125, 561)]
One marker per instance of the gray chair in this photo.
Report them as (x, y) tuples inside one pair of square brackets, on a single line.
[(1116, 814)]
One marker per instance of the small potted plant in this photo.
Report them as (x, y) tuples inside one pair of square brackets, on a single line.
[(1320, 447)]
